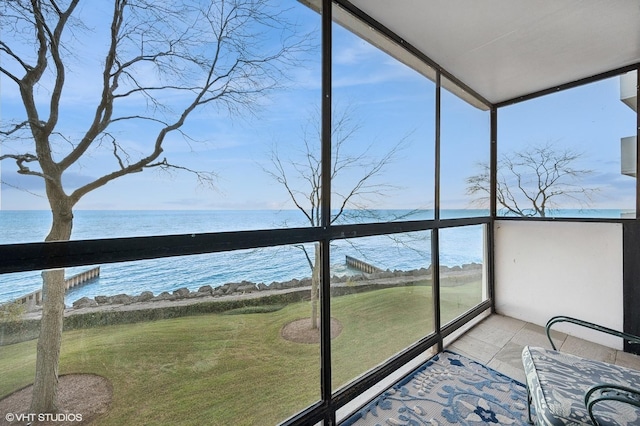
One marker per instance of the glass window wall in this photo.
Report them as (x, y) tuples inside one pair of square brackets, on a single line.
[(382, 300), (463, 270), (172, 334), (464, 148), (383, 134), (570, 154)]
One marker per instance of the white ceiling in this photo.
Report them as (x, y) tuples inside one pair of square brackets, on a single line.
[(504, 49)]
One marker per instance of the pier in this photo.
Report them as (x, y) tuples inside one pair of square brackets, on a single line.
[(81, 278), (361, 265), (34, 299)]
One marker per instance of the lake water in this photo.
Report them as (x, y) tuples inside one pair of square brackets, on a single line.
[(458, 246)]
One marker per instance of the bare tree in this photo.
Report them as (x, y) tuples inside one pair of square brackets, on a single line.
[(354, 177), (156, 64), (534, 181)]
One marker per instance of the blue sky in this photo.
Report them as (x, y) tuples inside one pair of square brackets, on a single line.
[(391, 103)]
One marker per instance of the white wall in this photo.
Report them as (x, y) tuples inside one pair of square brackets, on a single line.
[(553, 268)]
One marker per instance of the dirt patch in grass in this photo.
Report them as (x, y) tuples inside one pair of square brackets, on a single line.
[(300, 331), (79, 395)]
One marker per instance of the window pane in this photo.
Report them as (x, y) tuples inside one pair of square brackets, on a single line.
[(211, 355), (572, 152), (266, 89), (381, 300), (383, 133), (463, 281), (464, 146)]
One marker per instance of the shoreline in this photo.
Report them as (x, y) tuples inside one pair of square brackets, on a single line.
[(244, 291), (124, 309)]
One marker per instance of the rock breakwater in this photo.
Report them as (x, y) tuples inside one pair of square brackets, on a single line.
[(451, 276)]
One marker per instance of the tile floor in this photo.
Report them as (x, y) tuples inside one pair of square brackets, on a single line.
[(497, 341)]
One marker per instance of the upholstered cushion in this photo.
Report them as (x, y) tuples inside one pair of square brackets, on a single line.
[(558, 382)]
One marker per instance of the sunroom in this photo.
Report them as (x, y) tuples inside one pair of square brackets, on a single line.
[(481, 161)]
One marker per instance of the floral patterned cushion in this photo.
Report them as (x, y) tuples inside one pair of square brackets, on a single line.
[(558, 382)]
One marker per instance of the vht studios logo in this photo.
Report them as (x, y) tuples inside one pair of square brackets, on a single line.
[(43, 417)]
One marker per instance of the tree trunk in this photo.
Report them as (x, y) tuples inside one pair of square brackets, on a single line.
[(48, 349), (315, 287)]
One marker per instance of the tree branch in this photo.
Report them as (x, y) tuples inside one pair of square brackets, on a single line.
[(541, 176)]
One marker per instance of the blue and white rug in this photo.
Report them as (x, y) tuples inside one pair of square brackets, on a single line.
[(448, 389)]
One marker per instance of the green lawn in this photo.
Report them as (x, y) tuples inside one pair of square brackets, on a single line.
[(235, 369)]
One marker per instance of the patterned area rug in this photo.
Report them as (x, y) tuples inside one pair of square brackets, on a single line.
[(448, 389)]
